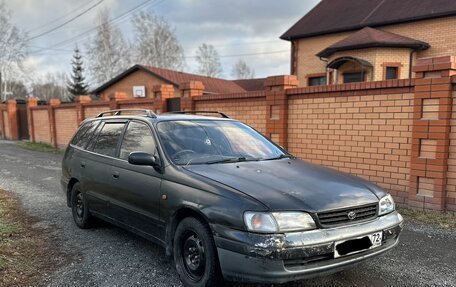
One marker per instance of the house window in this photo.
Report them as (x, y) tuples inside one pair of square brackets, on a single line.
[(391, 73), (317, 81), (353, 77)]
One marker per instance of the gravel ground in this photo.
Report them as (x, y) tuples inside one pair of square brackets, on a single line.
[(109, 256)]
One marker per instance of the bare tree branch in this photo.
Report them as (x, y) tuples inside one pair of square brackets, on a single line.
[(51, 86), (13, 47), (156, 42), (108, 53), (209, 61), (242, 71)]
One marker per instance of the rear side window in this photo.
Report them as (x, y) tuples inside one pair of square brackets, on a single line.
[(138, 137), (108, 138), (82, 137)]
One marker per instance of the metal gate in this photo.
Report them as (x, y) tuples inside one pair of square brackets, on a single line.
[(22, 120), (173, 104)]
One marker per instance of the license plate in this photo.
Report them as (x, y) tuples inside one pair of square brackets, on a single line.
[(376, 239), (359, 244)]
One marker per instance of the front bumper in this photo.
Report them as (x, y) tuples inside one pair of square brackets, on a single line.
[(280, 258)]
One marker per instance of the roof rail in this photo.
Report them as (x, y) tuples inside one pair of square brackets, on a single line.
[(200, 112), (119, 112)]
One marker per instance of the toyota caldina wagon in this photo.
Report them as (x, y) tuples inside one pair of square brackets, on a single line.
[(225, 201)]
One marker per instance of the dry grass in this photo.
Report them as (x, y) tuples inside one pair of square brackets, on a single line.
[(43, 147), (26, 253), (444, 220)]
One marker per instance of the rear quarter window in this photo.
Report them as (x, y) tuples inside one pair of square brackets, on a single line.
[(108, 139), (84, 134)]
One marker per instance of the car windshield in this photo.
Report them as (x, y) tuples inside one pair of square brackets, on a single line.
[(214, 141)]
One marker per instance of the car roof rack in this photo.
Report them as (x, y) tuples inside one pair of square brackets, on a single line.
[(119, 112), (200, 112)]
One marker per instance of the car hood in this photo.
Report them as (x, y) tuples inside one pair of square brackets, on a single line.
[(292, 184)]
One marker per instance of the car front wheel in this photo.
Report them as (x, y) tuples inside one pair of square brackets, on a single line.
[(79, 207), (195, 255)]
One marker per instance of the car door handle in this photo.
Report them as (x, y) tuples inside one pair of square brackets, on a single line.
[(83, 164), (116, 175)]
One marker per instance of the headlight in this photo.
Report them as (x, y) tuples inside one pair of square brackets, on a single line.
[(386, 205), (266, 222)]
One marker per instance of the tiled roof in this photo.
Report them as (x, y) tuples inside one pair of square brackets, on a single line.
[(251, 84), (212, 85), (332, 16), (369, 37)]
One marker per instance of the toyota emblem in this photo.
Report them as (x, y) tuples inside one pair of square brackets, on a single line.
[(351, 215)]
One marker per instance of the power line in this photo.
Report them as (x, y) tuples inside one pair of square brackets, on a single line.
[(65, 42), (66, 22), (222, 56), (248, 54), (61, 17)]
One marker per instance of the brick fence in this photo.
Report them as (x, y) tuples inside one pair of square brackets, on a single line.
[(395, 133)]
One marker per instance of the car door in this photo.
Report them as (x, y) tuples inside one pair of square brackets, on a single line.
[(80, 156), (98, 163), (137, 188)]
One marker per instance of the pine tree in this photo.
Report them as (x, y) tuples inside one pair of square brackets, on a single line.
[(77, 86)]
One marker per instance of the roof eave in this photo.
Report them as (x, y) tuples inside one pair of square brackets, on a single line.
[(126, 73), (330, 51)]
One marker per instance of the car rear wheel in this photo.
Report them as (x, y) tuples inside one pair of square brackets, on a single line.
[(79, 207), (195, 255)]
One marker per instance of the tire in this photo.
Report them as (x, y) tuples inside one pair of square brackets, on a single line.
[(195, 255), (80, 207)]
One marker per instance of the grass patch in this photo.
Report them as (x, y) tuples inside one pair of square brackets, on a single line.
[(7, 228), (444, 220), (26, 253), (42, 147)]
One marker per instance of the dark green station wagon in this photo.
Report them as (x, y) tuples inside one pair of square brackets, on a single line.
[(225, 201)]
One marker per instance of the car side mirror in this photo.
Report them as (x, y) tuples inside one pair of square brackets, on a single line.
[(143, 158)]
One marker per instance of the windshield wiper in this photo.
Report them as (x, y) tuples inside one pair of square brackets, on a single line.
[(280, 157), (233, 159), (229, 159)]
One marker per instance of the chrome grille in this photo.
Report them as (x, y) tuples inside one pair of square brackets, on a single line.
[(341, 216)]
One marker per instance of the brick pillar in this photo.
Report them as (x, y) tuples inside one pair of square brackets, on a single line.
[(2, 124), (431, 132), (115, 98), (161, 93), (80, 112), (188, 91), (52, 125), (13, 119), (277, 107), (31, 103)]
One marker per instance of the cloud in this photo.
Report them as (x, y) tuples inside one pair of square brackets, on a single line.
[(234, 27)]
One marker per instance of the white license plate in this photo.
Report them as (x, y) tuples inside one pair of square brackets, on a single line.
[(375, 239)]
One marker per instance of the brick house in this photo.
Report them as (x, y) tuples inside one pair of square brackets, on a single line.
[(369, 40), (138, 82)]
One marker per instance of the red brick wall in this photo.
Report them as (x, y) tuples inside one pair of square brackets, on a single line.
[(394, 133), (368, 135), (249, 110), (65, 124), (137, 104), (451, 176), (6, 123), (91, 111), (41, 125)]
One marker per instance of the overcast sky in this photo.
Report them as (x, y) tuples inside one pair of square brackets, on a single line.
[(234, 27)]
